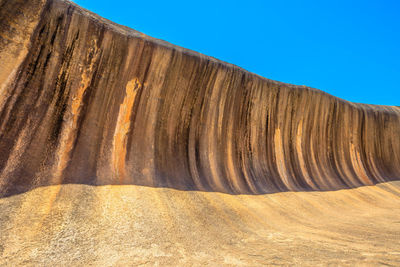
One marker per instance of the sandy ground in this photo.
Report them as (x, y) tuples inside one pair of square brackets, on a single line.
[(80, 225)]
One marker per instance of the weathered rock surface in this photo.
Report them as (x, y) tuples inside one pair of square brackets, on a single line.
[(81, 225), (87, 101), (84, 101)]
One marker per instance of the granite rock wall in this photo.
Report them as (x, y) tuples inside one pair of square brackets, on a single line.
[(86, 101)]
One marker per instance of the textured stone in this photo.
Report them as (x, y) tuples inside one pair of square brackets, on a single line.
[(92, 102), (91, 111)]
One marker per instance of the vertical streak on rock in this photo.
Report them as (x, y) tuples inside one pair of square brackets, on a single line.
[(280, 160), (358, 165), (70, 127), (345, 149), (317, 173), (370, 141), (234, 178), (233, 175), (142, 152), (300, 156), (122, 129), (246, 125), (211, 151)]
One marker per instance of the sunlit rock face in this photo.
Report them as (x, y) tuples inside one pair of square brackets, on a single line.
[(86, 101), (93, 111)]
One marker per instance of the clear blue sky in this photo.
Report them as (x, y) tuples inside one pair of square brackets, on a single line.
[(348, 48)]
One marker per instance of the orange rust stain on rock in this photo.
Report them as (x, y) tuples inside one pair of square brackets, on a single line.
[(122, 129), (70, 127)]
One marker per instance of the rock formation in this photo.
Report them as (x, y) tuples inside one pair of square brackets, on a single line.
[(84, 101)]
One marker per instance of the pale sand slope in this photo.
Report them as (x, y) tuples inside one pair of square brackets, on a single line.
[(81, 225)]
